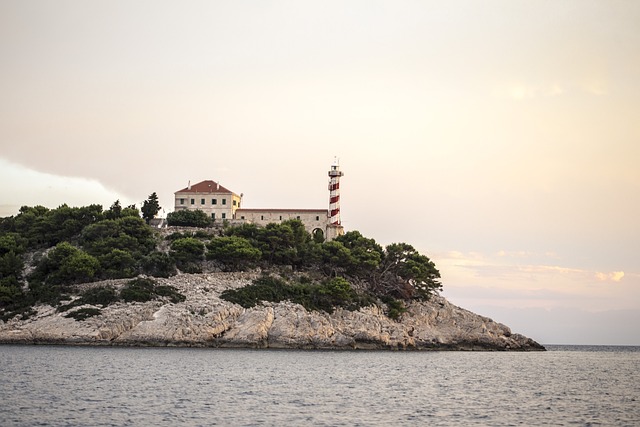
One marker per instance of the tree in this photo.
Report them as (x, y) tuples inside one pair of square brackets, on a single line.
[(150, 207), (159, 264), (235, 251), (117, 264), (65, 265), (406, 274), (188, 218), (187, 253), (366, 254), (131, 210), (128, 233), (115, 211)]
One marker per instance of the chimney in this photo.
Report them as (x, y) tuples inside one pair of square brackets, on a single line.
[(189, 185), (217, 185)]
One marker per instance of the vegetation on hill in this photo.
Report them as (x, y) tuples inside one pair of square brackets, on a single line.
[(136, 290), (45, 252)]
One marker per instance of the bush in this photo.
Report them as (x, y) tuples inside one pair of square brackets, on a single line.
[(9, 292), (159, 264), (395, 308), (117, 264), (42, 227), (178, 235), (130, 234), (189, 218), (187, 253), (170, 292), (84, 313), (102, 295), (138, 290), (236, 252), (312, 296), (143, 290), (66, 265)]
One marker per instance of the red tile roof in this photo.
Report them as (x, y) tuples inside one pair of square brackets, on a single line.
[(207, 186), (248, 210)]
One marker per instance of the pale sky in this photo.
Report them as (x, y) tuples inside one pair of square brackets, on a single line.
[(500, 138)]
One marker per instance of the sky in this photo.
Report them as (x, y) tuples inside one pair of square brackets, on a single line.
[(499, 138)]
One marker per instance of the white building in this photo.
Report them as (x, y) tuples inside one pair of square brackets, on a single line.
[(209, 197), (222, 204)]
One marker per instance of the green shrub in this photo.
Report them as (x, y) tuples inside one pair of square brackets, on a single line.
[(170, 292), (84, 313), (143, 290), (159, 264), (201, 234), (66, 265), (189, 218), (233, 251), (178, 235), (187, 253), (117, 264), (119, 244), (102, 295), (395, 308), (312, 296), (138, 290), (8, 293)]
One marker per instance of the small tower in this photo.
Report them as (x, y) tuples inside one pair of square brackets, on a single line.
[(334, 193)]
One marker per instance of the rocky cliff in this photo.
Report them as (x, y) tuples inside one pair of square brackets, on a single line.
[(205, 320)]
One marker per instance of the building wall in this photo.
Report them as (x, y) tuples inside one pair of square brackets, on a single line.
[(223, 205), (215, 205), (311, 218)]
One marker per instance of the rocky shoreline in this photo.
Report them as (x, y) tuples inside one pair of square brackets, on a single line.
[(205, 320)]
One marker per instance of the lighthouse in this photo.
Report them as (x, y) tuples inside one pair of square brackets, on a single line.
[(334, 194)]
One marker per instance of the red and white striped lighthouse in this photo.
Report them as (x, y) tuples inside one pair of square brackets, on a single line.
[(334, 193)]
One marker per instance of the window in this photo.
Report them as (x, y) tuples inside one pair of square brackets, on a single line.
[(224, 215), (193, 201), (213, 215), (280, 217), (242, 217), (182, 201), (214, 201), (317, 218), (234, 202), (224, 201), (202, 201), (262, 217), (298, 217)]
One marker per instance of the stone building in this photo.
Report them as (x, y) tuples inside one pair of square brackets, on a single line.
[(222, 204), (209, 197)]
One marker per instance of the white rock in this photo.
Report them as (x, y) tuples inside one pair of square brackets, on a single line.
[(204, 319)]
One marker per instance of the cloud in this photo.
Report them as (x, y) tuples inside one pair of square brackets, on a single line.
[(30, 187), (504, 264), (614, 276), (531, 279)]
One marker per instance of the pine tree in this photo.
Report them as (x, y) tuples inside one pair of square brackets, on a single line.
[(150, 207)]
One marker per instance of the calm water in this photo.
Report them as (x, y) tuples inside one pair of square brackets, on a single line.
[(89, 386)]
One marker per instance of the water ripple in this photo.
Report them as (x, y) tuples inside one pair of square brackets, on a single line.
[(79, 386)]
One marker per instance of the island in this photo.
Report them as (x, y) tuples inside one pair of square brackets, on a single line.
[(88, 276)]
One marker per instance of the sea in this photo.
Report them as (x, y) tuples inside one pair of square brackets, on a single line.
[(114, 386)]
